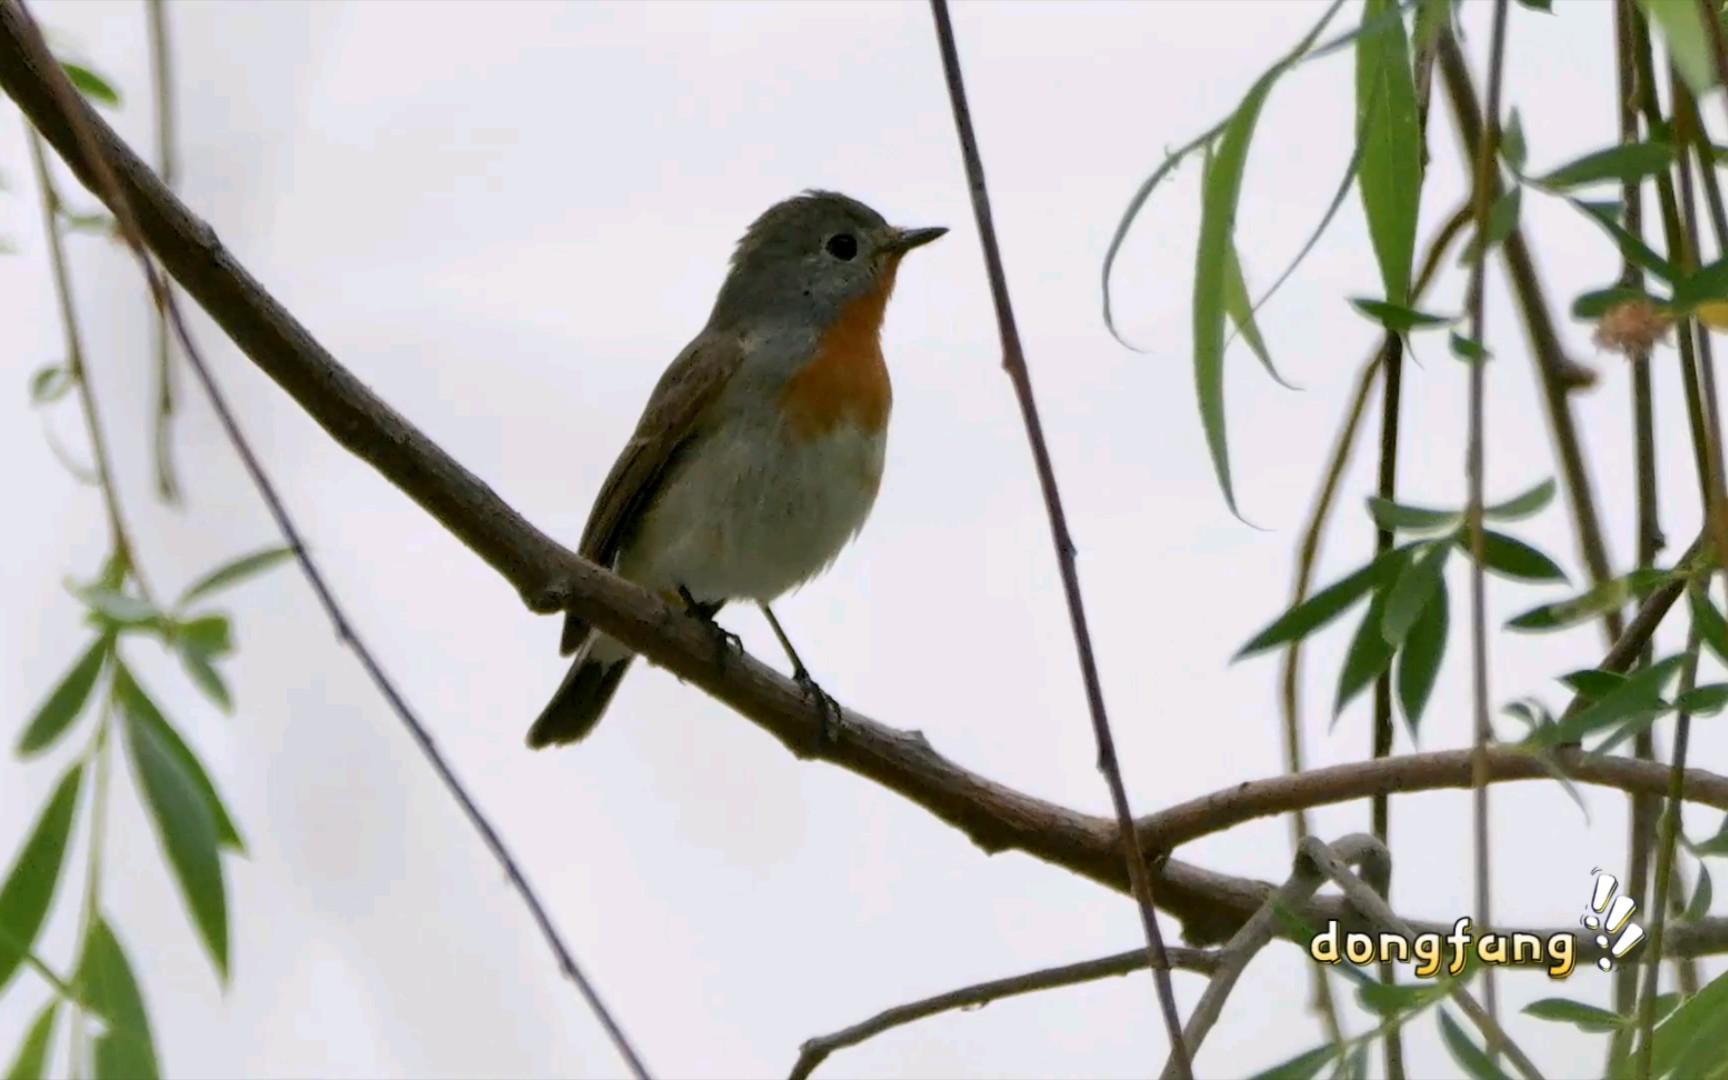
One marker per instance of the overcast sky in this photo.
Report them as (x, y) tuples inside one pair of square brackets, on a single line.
[(506, 218)]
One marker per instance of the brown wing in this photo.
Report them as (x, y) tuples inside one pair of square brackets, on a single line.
[(674, 413)]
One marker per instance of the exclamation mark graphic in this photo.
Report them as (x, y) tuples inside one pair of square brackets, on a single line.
[(1616, 918)]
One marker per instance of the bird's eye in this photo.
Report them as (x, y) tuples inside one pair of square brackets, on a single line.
[(842, 246)]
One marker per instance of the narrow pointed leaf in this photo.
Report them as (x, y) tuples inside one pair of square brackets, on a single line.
[(1620, 164), (1686, 39), (139, 708), (49, 384), (1393, 516), (1639, 697), (30, 884), (1471, 1058), (1587, 1018), (233, 573), (188, 835), (1588, 605), (203, 673), (1523, 505), (127, 1048), (1222, 189), (1599, 302), (117, 608), (1419, 660), (1636, 251), (1468, 349), (1412, 591), (1369, 655), (1390, 176), (1303, 1066), (90, 84), (1512, 145), (1397, 318), (1704, 700), (1594, 684), (1327, 604), (1241, 311), (1704, 285), (1712, 628), (1514, 558), (32, 1060), (1695, 1028), (66, 701), (1502, 219), (1703, 895)]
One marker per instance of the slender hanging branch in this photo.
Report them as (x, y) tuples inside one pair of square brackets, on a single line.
[(1014, 361)]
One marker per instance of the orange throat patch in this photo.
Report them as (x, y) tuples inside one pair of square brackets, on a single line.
[(847, 379)]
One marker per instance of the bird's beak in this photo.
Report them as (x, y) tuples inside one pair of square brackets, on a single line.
[(904, 240)]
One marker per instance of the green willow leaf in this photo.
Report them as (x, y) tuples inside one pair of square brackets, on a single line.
[(1390, 175), (1703, 895), (139, 708), (208, 635), (1598, 302), (1586, 1018), (1303, 1066), (1397, 318), (91, 85), (1705, 700), (1712, 628), (1514, 558), (1586, 606), (233, 573), (1693, 1041), (205, 676), (188, 835), (1470, 1057), (1420, 658), (1394, 517), (1411, 593), (1221, 192), (66, 701), (1687, 40), (1593, 683), (1703, 285), (1326, 605), (1607, 215), (32, 1060), (1502, 219), (1468, 349), (127, 1048), (117, 609), (49, 384), (1240, 308), (1639, 698), (1522, 505), (1512, 146), (1369, 655), (1623, 163), (30, 884)]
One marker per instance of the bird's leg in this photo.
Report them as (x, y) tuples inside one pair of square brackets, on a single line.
[(706, 612), (827, 708)]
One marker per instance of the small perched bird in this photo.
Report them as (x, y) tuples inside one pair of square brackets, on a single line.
[(760, 452)]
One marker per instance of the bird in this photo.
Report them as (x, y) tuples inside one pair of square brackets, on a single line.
[(760, 452)]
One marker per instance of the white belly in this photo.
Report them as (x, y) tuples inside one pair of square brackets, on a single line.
[(740, 521)]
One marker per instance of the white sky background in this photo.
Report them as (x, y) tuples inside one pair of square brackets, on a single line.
[(506, 218)]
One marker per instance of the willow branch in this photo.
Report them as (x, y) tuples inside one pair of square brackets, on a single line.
[(817, 1050)]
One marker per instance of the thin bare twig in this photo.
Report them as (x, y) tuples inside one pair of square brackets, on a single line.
[(22, 31), (1369, 899), (1642, 826), (1665, 858), (817, 1050), (1014, 362), (1233, 959), (162, 75), (78, 370), (1486, 172)]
